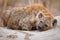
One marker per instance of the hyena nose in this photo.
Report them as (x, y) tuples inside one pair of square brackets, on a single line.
[(41, 27)]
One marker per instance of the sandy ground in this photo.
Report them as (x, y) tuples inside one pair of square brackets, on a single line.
[(52, 34)]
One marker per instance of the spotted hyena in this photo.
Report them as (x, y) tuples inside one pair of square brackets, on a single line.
[(30, 17)]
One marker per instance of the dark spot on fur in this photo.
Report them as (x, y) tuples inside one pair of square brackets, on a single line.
[(34, 28)]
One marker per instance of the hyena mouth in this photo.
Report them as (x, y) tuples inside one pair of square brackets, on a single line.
[(42, 28)]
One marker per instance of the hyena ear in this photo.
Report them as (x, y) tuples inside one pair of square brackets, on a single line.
[(40, 15), (54, 22)]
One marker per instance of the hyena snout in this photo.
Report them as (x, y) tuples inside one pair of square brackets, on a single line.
[(41, 26)]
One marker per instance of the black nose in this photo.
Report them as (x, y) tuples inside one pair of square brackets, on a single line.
[(43, 28), (39, 27)]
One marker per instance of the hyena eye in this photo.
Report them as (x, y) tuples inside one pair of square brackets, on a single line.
[(46, 25)]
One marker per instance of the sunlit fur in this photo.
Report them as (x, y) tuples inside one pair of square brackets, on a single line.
[(26, 18)]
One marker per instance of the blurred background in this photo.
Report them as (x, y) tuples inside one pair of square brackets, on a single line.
[(52, 5)]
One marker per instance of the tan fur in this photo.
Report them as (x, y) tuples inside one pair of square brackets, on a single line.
[(25, 17), (1, 22)]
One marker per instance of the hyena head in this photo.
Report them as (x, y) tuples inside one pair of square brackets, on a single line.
[(44, 22)]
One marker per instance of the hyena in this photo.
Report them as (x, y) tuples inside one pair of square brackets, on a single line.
[(30, 17)]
